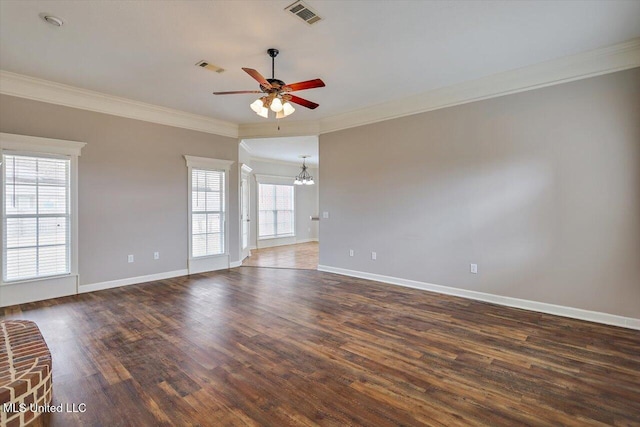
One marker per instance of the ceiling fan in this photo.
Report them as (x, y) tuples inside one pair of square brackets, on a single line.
[(276, 93)]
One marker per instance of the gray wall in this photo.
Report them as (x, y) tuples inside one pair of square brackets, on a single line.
[(541, 189), (306, 199), (132, 185)]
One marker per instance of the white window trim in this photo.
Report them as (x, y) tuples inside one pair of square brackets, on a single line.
[(275, 180), (61, 284), (37, 145), (218, 261)]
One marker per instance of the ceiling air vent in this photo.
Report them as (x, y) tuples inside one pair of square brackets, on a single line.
[(304, 12), (210, 66)]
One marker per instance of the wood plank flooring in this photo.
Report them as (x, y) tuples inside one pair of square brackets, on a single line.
[(302, 256), (278, 347)]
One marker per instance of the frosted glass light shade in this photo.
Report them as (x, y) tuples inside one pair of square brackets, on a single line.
[(287, 108), (264, 112), (256, 105), (276, 105)]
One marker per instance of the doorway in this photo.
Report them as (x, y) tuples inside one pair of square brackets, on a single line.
[(279, 214)]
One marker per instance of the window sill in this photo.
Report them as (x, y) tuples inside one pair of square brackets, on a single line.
[(288, 236), (210, 256), (36, 279)]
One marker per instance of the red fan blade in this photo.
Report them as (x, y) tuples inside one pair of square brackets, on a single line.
[(309, 84), (259, 78), (237, 91), (303, 102)]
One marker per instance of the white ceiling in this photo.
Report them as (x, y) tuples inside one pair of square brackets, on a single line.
[(367, 52), (285, 149)]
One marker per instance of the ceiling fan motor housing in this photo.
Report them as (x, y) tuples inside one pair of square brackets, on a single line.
[(276, 86)]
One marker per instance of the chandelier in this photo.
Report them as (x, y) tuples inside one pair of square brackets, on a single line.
[(303, 177)]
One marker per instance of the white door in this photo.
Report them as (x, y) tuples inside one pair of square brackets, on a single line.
[(244, 216)]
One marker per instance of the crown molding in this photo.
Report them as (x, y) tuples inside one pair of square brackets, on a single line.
[(283, 162), (592, 63), (245, 146), (56, 93)]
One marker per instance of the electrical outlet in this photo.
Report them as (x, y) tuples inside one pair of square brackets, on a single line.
[(325, 215), (374, 256), (156, 255), (474, 268), (351, 252), (130, 258)]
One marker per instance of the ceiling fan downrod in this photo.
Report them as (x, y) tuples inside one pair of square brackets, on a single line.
[(273, 53)]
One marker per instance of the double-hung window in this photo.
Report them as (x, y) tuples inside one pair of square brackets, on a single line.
[(276, 211), (36, 216), (208, 204), (39, 224), (207, 212)]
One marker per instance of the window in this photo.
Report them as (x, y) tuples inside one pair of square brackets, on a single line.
[(207, 204), (276, 211), (207, 212), (36, 216)]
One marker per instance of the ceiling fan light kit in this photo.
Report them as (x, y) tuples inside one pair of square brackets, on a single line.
[(276, 94)]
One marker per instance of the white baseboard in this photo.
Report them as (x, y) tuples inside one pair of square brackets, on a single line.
[(235, 264), (306, 240), (558, 310), (131, 281)]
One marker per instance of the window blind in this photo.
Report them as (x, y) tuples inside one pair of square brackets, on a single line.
[(276, 212), (36, 217), (207, 212)]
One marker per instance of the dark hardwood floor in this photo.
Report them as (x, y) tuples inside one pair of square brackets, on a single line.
[(253, 346)]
